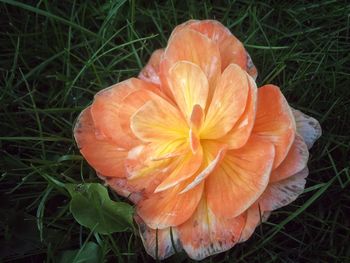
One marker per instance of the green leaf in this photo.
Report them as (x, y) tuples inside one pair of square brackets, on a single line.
[(91, 207), (88, 253)]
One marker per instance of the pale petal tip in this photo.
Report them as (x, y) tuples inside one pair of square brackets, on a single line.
[(308, 127)]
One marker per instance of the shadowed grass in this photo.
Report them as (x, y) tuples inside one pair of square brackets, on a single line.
[(55, 55)]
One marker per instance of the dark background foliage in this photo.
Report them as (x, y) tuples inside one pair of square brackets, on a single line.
[(55, 55)]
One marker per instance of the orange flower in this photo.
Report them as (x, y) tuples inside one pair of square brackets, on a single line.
[(201, 151)]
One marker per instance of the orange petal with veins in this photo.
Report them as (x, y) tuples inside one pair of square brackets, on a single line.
[(274, 121), (228, 103), (106, 107), (146, 167), (295, 161), (254, 217), (194, 47), (151, 71), (196, 120), (153, 157), (128, 106), (185, 167), (189, 87), (206, 233), (140, 187), (135, 189), (240, 179), (169, 208), (276, 195), (212, 156), (159, 243), (123, 188), (197, 117), (158, 120), (231, 49), (282, 193), (241, 131), (104, 155)]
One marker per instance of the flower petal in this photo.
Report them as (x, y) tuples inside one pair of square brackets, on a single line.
[(156, 156), (158, 120), (138, 188), (294, 162), (128, 106), (151, 71), (169, 208), (308, 127), (197, 117), (274, 121), (282, 193), (194, 47), (106, 106), (185, 167), (123, 188), (195, 122), (228, 103), (231, 49), (159, 243), (104, 155), (189, 86), (146, 167), (254, 217), (213, 155), (210, 28), (206, 233), (241, 131), (276, 195), (240, 179)]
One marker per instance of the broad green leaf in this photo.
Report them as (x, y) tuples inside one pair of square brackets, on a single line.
[(91, 207), (88, 253)]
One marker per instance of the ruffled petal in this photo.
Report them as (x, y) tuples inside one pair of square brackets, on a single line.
[(195, 123), (169, 207), (228, 103), (241, 131), (294, 162), (275, 196), (189, 87), (122, 187), (147, 166), (206, 233), (231, 49), (308, 127), (106, 108), (274, 121), (159, 243), (137, 188), (144, 160), (146, 185), (194, 47), (128, 106), (282, 193), (151, 71), (158, 120), (240, 179), (197, 117), (104, 155), (254, 218), (212, 156), (185, 167)]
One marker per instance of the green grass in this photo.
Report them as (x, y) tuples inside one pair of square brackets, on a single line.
[(55, 55)]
